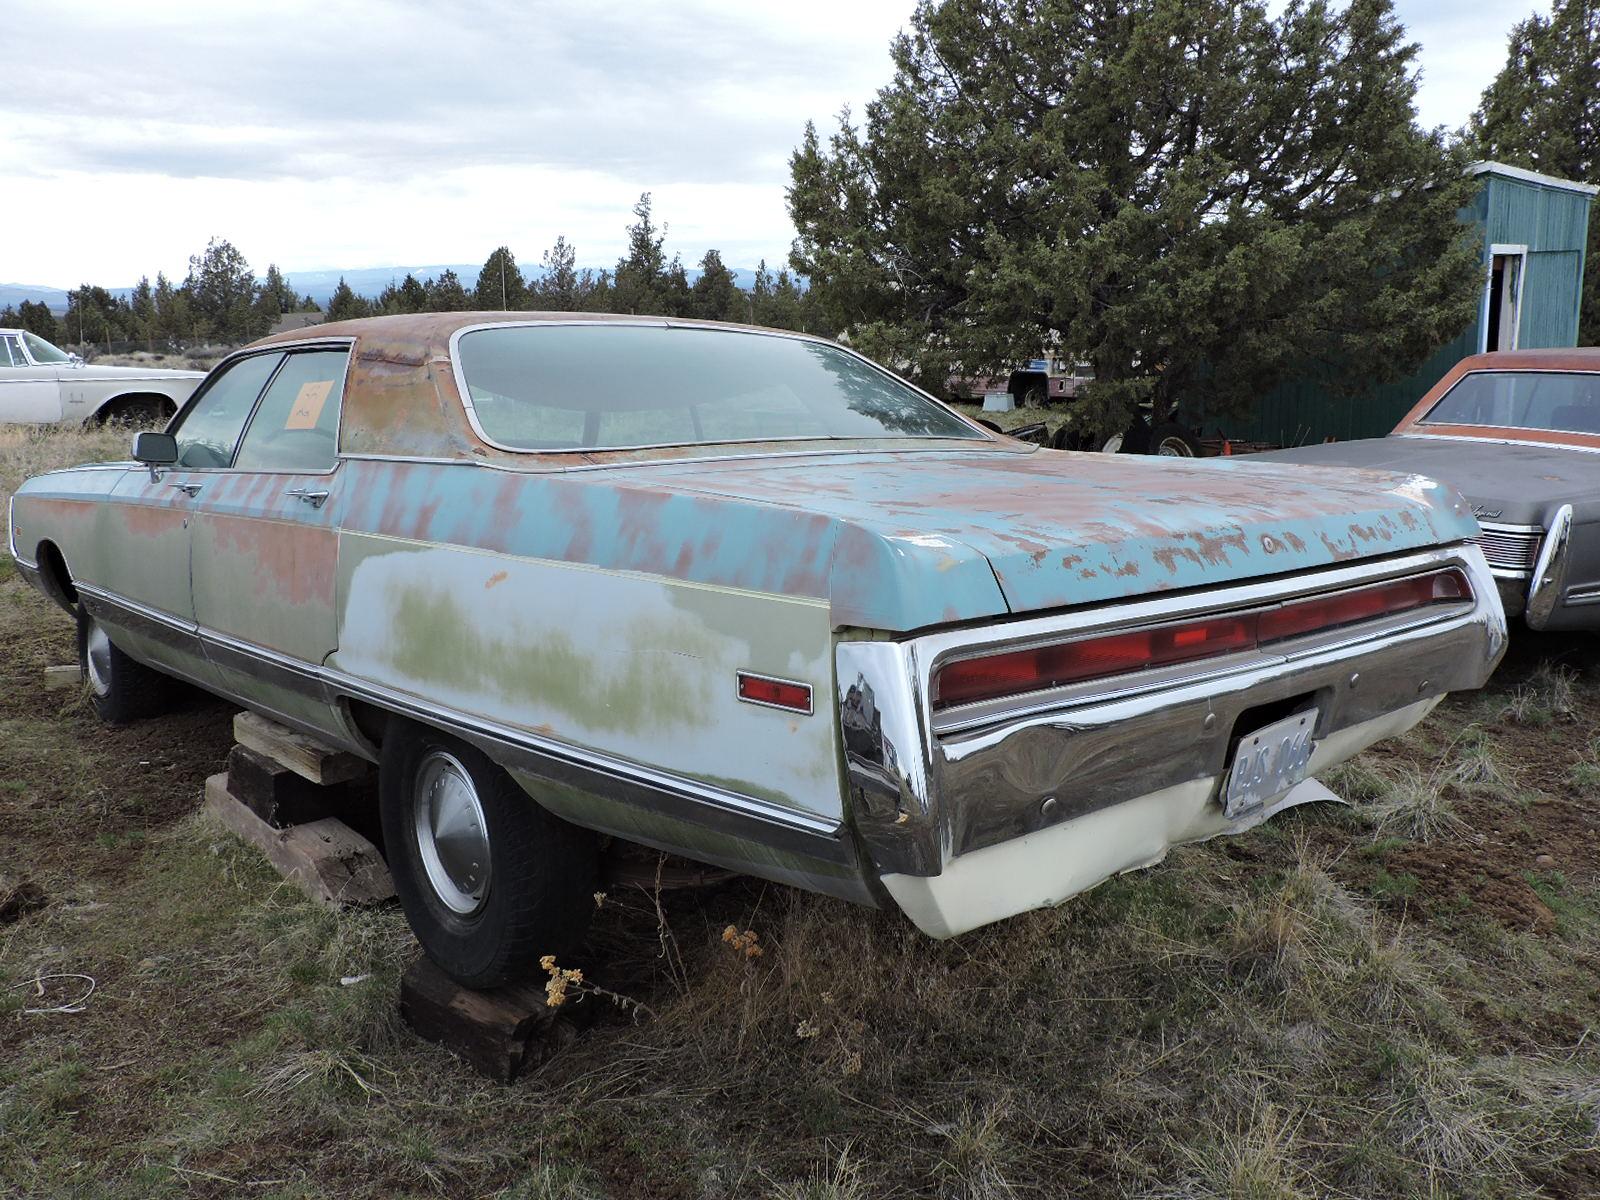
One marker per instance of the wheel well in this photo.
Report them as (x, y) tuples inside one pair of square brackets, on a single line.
[(55, 577), (1022, 380), (370, 721), (128, 402)]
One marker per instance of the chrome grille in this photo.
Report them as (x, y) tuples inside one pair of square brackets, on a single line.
[(1510, 549)]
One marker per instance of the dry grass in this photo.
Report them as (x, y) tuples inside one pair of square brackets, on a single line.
[(1272, 1017)]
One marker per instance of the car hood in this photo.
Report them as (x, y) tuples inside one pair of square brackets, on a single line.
[(1059, 529), (1505, 482)]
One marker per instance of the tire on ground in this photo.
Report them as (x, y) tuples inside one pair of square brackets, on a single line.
[(538, 883), (1172, 440), (121, 688)]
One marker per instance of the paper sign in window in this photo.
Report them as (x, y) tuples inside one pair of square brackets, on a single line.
[(308, 404)]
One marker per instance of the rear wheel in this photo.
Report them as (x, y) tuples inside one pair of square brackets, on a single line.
[(121, 688), (1031, 394), (489, 880), (1174, 441)]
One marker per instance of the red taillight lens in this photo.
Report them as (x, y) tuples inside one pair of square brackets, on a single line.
[(1020, 671), (758, 689), (1073, 662), (1329, 612)]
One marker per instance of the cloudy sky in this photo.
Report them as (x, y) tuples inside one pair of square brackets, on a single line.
[(359, 133)]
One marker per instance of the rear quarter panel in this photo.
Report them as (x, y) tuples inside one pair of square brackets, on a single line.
[(498, 616)]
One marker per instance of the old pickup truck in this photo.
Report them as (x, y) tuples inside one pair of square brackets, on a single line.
[(747, 597)]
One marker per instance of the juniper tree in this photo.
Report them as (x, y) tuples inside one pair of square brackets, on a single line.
[(1191, 195), (500, 283)]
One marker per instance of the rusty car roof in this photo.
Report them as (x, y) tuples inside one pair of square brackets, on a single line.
[(401, 398)]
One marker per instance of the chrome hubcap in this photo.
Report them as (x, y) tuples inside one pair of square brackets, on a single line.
[(97, 657), (452, 835), (1173, 448)]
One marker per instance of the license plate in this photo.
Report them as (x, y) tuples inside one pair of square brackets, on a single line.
[(1269, 762)]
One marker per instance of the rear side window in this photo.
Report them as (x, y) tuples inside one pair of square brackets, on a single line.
[(296, 426), (210, 430)]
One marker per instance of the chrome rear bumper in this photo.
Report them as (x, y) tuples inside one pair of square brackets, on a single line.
[(930, 789)]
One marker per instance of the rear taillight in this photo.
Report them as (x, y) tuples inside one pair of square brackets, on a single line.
[(1301, 617), (1018, 671)]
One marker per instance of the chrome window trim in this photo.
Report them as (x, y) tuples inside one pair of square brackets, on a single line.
[(986, 437), (1501, 441)]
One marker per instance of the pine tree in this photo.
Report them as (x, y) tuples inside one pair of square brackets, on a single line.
[(640, 283), (36, 317), (445, 294), (715, 295), (557, 288), (222, 289), (500, 283), (1542, 112), (345, 305), (1195, 197)]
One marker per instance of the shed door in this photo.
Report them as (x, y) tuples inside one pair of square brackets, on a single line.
[(1504, 317)]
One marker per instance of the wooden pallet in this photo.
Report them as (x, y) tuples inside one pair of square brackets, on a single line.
[(277, 794)]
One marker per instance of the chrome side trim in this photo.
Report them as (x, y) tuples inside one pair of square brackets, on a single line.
[(1550, 573), (139, 619), (671, 795)]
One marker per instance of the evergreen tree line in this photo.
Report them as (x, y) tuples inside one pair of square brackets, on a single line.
[(645, 282), (218, 301), (221, 301)]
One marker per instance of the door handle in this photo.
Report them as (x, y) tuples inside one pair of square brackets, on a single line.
[(313, 498), (189, 489)]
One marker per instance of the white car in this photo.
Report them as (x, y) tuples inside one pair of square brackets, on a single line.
[(41, 385)]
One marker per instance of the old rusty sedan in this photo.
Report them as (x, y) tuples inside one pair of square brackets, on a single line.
[(747, 597), (1518, 433)]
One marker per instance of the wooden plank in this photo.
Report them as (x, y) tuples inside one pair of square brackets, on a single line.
[(277, 794), (500, 1033), (60, 678), (326, 859), (304, 755)]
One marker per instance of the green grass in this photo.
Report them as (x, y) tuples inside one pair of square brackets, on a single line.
[(1348, 1002)]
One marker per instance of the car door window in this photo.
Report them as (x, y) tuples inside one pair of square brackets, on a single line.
[(11, 353), (210, 430), (43, 352), (296, 426)]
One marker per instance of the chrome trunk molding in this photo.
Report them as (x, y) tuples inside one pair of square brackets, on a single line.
[(925, 789)]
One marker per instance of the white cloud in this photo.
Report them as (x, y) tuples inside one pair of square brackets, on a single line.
[(379, 132)]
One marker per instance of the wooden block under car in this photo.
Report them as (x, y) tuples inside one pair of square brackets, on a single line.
[(60, 678), (304, 755), (277, 794), (500, 1033), (326, 859)]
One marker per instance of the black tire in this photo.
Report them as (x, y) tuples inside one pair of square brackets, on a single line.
[(1172, 440), (539, 881), (121, 688), (1031, 394)]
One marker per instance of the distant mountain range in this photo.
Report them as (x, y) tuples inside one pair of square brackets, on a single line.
[(366, 281)]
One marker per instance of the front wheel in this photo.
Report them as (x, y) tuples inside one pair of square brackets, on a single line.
[(121, 688), (489, 880)]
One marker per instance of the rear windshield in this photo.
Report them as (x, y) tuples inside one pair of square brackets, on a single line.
[(1564, 401), (576, 387)]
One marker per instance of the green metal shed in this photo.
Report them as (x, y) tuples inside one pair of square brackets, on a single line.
[(1534, 228)]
